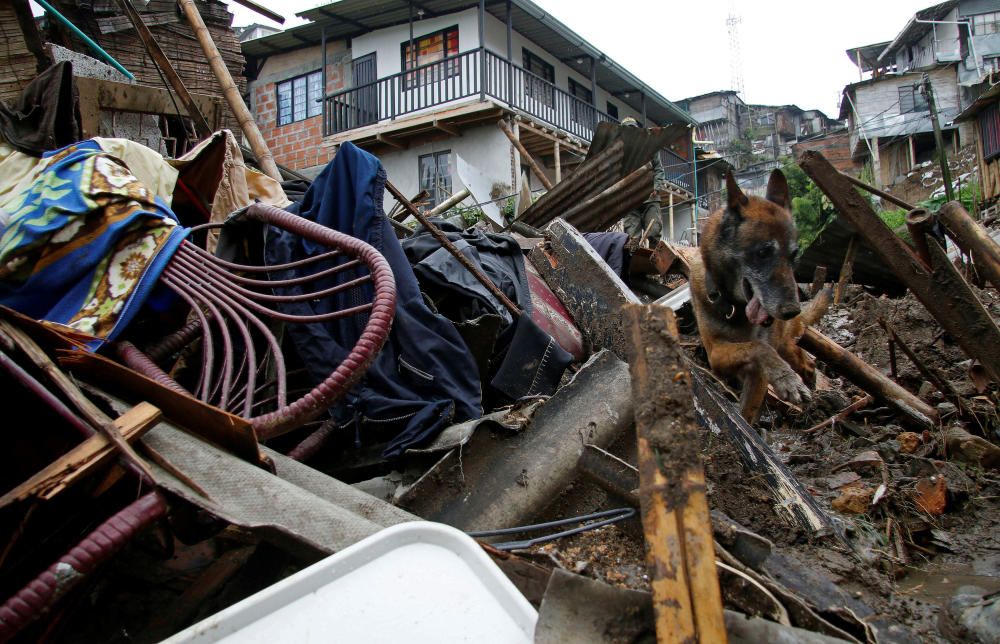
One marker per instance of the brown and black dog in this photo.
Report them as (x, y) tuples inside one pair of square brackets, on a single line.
[(746, 300)]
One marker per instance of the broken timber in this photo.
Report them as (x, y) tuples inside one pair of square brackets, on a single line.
[(585, 284), (686, 598), (973, 239), (716, 413), (525, 155), (941, 289)]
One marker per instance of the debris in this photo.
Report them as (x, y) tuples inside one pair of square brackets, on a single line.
[(931, 495), (854, 500), (971, 449), (909, 442), (941, 289), (675, 517)]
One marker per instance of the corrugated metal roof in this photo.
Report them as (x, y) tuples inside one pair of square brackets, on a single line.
[(987, 98), (351, 18), (914, 30)]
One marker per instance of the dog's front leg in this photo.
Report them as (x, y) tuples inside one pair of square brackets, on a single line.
[(757, 364)]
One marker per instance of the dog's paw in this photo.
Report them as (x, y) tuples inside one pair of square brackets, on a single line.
[(790, 387)]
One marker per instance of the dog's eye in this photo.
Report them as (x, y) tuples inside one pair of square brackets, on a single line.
[(764, 252)]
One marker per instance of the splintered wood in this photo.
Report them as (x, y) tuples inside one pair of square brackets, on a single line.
[(672, 494)]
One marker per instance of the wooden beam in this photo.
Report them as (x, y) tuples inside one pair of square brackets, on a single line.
[(687, 602), (32, 39), (446, 128), (940, 289), (558, 161), (85, 458), (525, 155), (264, 11), (96, 94), (385, 140), (163, 63), (232, 93)]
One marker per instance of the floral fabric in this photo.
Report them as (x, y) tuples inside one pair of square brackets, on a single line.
[(85, 243)]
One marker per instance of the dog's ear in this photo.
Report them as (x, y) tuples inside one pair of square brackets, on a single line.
[(777, 189), (737, 199)]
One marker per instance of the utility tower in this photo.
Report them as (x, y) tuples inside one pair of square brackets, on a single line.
[(735, 59)]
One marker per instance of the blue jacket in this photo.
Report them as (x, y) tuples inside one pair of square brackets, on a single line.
[(424, 378)]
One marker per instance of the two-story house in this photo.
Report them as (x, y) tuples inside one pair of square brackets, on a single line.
[(957, 45), (423, 84)]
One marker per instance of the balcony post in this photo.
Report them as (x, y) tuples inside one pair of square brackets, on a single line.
[(482, 50), (510, 53), (322, 44), (593, 82)]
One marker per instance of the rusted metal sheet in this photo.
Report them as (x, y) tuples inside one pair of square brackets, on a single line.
[(942, 290), (615, 153), (551, 316), (498, 481), (586, 285)]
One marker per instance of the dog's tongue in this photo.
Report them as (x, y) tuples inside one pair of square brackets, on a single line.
[(755, 312)]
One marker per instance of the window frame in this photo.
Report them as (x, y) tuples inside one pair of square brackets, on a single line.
[(436, 70), (290, 82), (540, 87), (435, 192), (613, 111), (917, 100), (986, 19)]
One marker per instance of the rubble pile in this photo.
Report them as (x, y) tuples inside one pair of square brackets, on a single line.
[(213, 391)]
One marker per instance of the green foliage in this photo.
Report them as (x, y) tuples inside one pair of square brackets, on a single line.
[(810, 207), (470, 214), (895, 218)]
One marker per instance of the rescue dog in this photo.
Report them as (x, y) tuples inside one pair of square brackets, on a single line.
[(746, 300)]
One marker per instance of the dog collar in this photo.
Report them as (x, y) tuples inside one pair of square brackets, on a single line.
[(723, 305)]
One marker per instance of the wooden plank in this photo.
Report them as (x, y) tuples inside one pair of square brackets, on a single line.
[(85, 458), (121, 23), (680, 549)]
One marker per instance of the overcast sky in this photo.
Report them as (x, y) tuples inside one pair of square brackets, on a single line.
[(792, 51)]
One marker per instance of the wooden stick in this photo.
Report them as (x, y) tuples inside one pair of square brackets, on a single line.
[(459, 255), (857, 405), (680, 553), (931, 375), (83, 459), (87, 409), (868, 378), (449, 203), (846, 269), (161, 61), (230, 91), (972, 238), (819, 279), (525, 156)]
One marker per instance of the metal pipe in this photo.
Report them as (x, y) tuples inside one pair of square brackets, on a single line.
[(85, 38), (960, 23)]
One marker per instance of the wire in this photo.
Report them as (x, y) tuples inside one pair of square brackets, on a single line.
[(613, 516)]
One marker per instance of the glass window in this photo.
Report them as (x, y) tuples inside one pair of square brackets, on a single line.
[(300, 98), (912, 99), (437, 47), (612, 110), (435, 176), (539, 84), (986, 23)]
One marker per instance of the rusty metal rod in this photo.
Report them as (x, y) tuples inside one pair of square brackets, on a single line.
[(462, 259)]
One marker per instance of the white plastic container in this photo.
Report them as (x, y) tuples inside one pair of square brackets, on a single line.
[(413, 582)]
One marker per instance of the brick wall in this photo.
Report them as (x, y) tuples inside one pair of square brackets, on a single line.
[(297, 145)]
